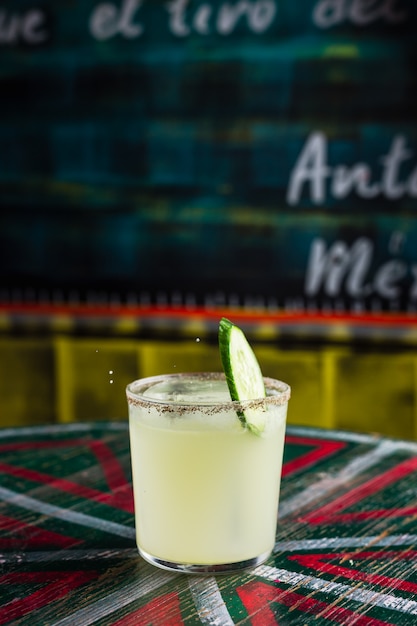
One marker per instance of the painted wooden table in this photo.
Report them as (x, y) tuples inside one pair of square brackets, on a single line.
[(346, 549)]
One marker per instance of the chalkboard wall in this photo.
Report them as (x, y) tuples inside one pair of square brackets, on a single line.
[(192, 152)]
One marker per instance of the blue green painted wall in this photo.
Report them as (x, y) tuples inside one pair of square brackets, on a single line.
[(191, 150)]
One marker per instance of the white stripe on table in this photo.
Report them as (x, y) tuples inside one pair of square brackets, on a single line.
[(330, 482), (116, 600), (330, 543), (209, 603), (67, 515), (312, 583)]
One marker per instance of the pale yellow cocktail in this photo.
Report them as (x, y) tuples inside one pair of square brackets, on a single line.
[(206, 488)]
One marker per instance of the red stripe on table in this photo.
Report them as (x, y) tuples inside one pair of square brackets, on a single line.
[(119, 499), (162, 611), (31, 534), (59, 584), (332, 512), (257, 598), (319, 563), (121, 491), (111, 467), (323, 449)]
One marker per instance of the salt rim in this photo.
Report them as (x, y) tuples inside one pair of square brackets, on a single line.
[(282, 395)]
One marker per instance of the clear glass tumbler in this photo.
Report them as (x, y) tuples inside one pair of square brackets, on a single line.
[(206, 488)]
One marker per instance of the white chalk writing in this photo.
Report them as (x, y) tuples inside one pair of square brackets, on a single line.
[(312, 169), (190, 17), (349, 267), (28, 27), (328, 13), (258, 14), (107, 20)]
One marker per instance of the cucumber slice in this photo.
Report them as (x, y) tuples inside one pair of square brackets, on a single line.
[(243, 374)]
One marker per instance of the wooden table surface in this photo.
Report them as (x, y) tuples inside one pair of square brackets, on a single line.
[(346, 549)]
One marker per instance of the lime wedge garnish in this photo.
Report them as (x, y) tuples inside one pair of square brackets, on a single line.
[(243, 374)]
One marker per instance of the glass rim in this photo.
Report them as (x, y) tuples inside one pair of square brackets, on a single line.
[(134, 396)]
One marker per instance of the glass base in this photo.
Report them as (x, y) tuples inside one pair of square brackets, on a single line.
[(189, 568)]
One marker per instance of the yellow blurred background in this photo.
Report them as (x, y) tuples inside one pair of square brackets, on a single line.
[(64, 379)]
